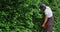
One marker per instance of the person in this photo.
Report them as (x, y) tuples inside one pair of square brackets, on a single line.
[(48, 18)]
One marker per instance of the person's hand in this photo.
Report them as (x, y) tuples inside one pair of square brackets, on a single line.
[(44, 25)]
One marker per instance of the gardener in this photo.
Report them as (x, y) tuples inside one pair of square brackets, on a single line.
[(48, 19)]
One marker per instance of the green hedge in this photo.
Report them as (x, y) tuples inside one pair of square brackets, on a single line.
[(25, 15)]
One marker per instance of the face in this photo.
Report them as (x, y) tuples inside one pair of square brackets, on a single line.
[(43, 8)]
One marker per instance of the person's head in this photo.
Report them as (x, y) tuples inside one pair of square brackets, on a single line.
[(43, 7)]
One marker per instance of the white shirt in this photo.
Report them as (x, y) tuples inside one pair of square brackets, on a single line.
[(48, 12)]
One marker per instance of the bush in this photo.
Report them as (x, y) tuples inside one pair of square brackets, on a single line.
[(25, 15)]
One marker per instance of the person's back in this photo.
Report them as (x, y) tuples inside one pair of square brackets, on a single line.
[(48, 11)]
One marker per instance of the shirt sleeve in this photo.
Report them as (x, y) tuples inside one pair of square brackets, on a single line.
[(46, 12)]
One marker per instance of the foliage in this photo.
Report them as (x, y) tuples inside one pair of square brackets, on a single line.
[(25, 15)]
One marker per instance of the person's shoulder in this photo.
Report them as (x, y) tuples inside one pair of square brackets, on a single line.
[(47, 7)]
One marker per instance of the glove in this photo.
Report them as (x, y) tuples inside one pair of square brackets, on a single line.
[(44, 25)]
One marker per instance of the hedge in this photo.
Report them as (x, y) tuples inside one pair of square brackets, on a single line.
[(26, 16)]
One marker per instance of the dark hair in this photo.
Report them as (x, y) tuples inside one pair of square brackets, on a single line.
[(42, 6)]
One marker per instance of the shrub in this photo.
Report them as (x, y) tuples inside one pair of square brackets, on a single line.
[(25, 15)]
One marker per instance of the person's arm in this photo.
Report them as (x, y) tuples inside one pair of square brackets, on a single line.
[(45, 20)]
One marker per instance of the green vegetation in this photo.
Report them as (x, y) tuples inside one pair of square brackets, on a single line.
[(25, 16)]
